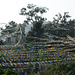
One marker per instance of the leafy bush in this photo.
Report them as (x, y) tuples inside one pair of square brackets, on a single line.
[(1, 42), (7, 72), (60, 69)]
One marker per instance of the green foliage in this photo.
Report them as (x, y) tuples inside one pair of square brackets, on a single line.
[(7, 72), (33, 17), (12, 24), (37, 29), (61, 26), (1, 42), (60, 69), (61, 19), (10, 28), (1, 71)]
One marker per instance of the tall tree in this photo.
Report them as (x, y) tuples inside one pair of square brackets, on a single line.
[(61, 19), (11, 27), (65, 17), (71, 25), (33, 15), (12, 24)]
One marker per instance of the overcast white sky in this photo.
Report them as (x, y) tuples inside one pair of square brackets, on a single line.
[(10, 9)]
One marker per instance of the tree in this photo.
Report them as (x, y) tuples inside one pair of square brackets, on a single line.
[(7, 72), (59, 22), (12, 24), (60, 69), (61, 19), (11, 27), (65, 17), (71, 24), (1, 42), (33, 15), (48, 26)]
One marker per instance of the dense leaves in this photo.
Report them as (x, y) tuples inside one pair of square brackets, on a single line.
[(60, 69), (7, 72), (33, 15), (61, 25), (1, 42)]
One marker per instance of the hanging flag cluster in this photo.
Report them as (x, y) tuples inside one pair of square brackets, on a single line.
[(35, 54)]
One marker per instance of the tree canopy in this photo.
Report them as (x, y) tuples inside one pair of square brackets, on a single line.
[(34, 16)]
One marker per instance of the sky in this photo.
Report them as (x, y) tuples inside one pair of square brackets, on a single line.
[(10, 9)]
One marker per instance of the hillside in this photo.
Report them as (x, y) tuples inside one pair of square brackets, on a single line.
[(39, 52)]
